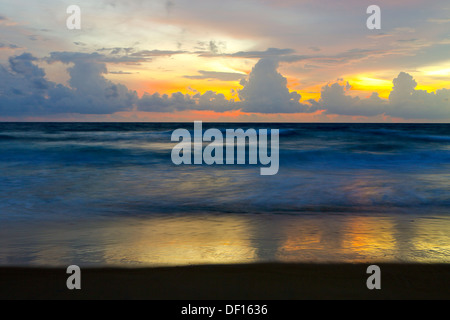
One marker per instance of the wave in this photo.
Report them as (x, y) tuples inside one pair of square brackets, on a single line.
[(323, 168), (4, 137)]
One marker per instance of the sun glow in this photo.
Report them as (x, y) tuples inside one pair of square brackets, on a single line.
[(369, 84)]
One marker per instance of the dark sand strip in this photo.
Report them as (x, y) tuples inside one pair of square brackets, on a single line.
[(232, 282)]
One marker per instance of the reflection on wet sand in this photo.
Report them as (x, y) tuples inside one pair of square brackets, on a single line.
[(223, 239), (365, 239), (184, 240), (370, 237)]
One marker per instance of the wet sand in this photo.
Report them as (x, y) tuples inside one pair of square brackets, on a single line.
[(232, 282)]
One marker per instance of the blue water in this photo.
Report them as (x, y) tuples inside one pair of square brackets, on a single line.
[(89, 174)]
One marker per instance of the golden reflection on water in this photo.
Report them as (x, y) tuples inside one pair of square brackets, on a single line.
[(370, 237), (353, 239), (434, 237), (224, 239), (193, 240), (238, 239)]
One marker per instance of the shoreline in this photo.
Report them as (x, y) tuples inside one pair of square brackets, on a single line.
[(262, 281)]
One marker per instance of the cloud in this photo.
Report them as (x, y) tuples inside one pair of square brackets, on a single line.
[(90, 92), (289, 55), (281, 55), (404, 101), (223, 76), (120, 72), (26, 91), (8, 46), (95, 57), (156, 53), (165, 103), (266, 91), (439, 21), (209, 100), (112, 51), (23, 88), (6, 21), (269, 53), (407, 102), (335, 101)]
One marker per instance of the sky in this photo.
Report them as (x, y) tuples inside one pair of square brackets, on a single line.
[(246, 60)]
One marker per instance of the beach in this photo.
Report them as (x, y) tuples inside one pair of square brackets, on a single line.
[(272, 281), (107, 198), (225, 151)]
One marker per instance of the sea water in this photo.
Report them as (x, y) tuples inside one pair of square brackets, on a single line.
[(109, 194)]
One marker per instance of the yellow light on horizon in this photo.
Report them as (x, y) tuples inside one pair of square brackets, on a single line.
[(441, 70), (371, 84)]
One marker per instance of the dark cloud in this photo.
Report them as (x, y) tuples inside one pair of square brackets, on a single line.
[(209, 100), (407, 102), (266, 91), (8, 46), (26, 91), (95, 57), (130, 54), (23, 88), (407, 40), (335, 100), (90, 92), (404, 101), (116, 50)]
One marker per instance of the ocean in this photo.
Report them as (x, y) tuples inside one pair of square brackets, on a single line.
[(108, 194)]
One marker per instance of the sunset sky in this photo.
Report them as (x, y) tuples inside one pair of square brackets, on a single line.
[(258, 60)]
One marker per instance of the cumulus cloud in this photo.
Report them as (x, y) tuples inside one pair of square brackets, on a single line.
[(335, 100), (24, 89), (404, 101), (407, 102), (266, 91), (90, 92), (209, 100)]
